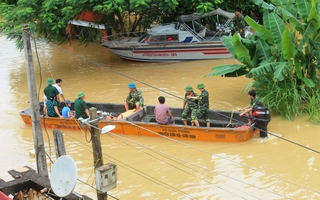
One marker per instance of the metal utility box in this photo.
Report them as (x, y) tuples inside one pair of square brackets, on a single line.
[(106, 177)]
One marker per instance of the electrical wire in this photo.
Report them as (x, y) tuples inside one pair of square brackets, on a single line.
[(221, 157), (51, 161), (140, 173), (172, 158), (182, 99), (173, 95), (161, 153)]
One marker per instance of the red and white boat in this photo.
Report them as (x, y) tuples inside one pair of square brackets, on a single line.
[(184, 40)]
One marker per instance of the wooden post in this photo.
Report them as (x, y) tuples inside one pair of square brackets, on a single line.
[(59, 143), (35, 108), (96, 147)]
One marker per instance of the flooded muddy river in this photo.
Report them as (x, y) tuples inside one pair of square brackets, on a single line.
[(156, 168)]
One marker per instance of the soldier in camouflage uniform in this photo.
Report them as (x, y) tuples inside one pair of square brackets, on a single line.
[(254, 101), (203, 106), (238, 23), (134, 99), (189, 104)]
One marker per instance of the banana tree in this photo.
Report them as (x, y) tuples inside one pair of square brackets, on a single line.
[(285, 47)]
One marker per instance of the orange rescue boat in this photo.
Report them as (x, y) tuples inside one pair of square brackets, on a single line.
[(225, 126)]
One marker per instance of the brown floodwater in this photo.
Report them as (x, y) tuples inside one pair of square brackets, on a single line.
[(156, 168)]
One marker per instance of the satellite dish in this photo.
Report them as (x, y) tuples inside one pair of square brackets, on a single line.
[(63, 177), (107, 128)]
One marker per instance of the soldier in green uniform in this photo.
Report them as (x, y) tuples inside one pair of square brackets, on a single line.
[(80, 106), (48, 91), (134, 99), (188, 104), (238, 23), (254, 101), (203, 106)]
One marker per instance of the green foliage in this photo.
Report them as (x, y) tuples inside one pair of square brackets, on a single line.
[(289, 99), (49, 18), (229, 70), (43, 17), (284, 97), (282, 57), (313, 109)]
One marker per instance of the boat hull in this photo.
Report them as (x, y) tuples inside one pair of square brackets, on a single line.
[(142, 123), (181, 132), (184, 40), (172, 53)]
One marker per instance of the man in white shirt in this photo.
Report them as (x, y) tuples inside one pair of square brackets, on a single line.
[(58, 86)]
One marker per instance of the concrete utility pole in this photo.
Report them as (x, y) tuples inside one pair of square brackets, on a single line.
[(35, 108), (96, 147)]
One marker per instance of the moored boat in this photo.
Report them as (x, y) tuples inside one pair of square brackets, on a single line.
[(184, 40), (225, 126)]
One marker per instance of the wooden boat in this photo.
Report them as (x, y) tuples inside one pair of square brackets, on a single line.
[(171, 42), (225, 126)]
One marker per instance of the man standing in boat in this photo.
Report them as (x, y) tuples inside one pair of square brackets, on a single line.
[(134, 99), (80, 106), (58, 86), (189, 104), (48, 91), (238, 23), (203, 106)]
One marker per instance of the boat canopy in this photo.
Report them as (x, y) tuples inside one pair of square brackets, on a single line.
[(87, 24), (195, 16)]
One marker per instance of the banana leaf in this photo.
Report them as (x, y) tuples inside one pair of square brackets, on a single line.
[(264, 68), (251, 45), (276, 27), (308, 82), (303, 7), (287, 5), (240, 72), (228, 70), (264, 51), (314, 13), (307, 35), (227, 41), (280, 70), (277, 2), (255, 60), (288, 47), (266, 23), (288, 16), (299, 61), (266, 34), (242, 53), (264, 4)]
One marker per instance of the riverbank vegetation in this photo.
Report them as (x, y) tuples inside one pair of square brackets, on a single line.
[(48, 19), (282, 57)]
